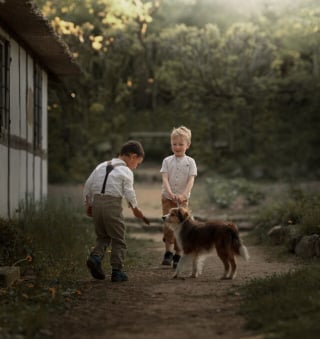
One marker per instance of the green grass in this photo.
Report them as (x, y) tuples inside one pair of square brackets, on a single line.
[(223, 191), (302, 210), (284, 306), (58, 237)]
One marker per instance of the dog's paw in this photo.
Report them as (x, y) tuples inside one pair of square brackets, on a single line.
[(225, 278), (177, 277)]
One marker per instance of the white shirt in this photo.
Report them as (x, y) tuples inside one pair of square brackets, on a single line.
[(119, 183), (179, 170)]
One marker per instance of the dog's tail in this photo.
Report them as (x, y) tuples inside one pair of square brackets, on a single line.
[(244, 252), (237, 245)]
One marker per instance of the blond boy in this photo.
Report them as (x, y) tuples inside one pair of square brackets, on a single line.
[(178, 173)]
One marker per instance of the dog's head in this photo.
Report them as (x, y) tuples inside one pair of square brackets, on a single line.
[(176, 216)]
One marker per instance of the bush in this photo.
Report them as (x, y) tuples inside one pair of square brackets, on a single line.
[(223, 191), (298, 209), (12, 242)]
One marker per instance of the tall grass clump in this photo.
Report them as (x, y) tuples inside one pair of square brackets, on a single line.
[(284, 306), (11, 238), (302, 210), (49, 242), (57, 237)]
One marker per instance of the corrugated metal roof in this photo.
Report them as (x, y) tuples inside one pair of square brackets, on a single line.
[(23, 19)]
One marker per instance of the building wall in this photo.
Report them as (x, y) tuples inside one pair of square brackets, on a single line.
[(23, 169)]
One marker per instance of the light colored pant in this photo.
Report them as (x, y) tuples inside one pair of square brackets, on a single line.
[(110, 228)]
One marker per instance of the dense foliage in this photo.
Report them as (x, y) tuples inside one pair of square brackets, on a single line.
[(245, 82)]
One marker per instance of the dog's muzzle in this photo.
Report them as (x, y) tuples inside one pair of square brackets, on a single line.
[(164, 217)]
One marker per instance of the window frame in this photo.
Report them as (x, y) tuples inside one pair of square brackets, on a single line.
[(4, 86), (37, 108)]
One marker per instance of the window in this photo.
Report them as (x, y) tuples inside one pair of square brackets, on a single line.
[(4, 86), (37, 107)]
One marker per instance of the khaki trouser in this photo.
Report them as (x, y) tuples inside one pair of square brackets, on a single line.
[(168, 235), (110, 228)]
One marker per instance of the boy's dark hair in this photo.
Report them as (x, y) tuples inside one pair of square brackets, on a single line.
[(134, 147)]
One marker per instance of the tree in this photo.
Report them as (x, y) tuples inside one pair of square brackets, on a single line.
[(247, 87)]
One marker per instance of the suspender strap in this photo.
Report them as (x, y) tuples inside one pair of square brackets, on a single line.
[(109, 168)]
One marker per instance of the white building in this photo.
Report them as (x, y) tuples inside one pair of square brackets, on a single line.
[(30, 53)]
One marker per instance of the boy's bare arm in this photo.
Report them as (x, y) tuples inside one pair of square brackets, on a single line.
[(138, 214), (165, 181), (188, 188)]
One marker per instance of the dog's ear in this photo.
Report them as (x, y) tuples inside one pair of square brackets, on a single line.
[(183, 213), (180, 214)]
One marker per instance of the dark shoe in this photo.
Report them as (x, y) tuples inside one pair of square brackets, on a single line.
[(167, 259), (176, 259), (94, 265), (118, 276)]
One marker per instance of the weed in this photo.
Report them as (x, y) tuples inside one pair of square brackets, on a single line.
[(11, 239), (50, 242), (284, 306)]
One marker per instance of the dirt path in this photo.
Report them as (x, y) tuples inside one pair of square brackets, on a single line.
[(152, 305)]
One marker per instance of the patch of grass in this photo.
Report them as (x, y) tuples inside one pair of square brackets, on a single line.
[(284, 306), (300, 209), (57, 236), (11, 238), (223, 192)]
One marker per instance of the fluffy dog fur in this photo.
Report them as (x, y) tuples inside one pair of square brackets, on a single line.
[(198, 239)]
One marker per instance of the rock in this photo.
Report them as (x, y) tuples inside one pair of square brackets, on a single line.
[(289, 235), (308, 246), (278, 234), (293, 237)]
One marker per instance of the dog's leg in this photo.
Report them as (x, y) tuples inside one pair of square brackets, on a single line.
[(180, 266), (202, 259), (195, 267), (233, 267), (226, 270), (224, 258)]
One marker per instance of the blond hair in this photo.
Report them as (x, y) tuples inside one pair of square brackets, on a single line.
[(182, 131)]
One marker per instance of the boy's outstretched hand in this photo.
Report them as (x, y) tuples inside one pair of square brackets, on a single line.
[(138, 214)]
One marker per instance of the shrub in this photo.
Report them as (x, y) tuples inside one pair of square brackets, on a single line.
[(12, 240), (223, 191), (53, 233), (298, 209)]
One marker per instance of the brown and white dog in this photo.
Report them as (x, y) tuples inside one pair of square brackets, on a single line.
[(198, 239)]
